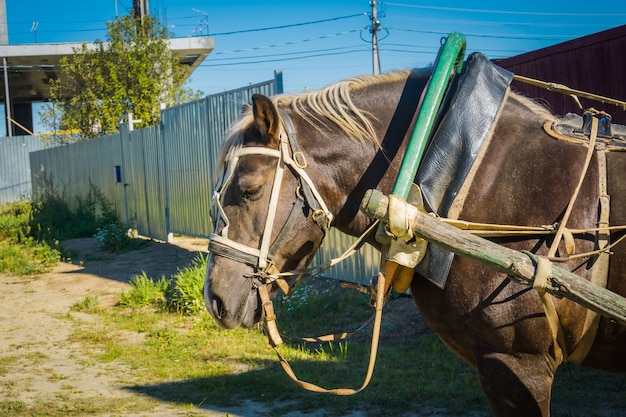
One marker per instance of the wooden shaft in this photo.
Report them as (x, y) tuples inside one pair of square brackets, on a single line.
[(517, 265)]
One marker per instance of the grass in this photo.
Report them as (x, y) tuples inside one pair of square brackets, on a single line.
[(30, 232), (185, 359), (64, 405)]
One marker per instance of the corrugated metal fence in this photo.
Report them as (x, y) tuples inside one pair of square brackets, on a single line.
[(159, 179), (15, 167)]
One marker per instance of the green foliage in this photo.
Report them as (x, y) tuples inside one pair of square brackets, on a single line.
[(30, 233), (113, 237), (180, 293), (144, 292), (54, 219), (89, 304), (14, 220), (20, 253), (133, 71)]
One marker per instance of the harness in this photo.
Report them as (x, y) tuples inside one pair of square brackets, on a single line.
[(261, 258)]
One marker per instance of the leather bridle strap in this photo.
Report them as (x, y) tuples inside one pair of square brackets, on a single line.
[(273, 206), (275, 340)]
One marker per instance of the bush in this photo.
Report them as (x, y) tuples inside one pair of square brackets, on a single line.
[(20, 253), (113, 237), (14, 220), (55, 219)]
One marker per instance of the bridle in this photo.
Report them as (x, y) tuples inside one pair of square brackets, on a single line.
[(266, 274), (289, 156)]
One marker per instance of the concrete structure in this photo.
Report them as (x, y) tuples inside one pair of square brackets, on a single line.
[(28, 69)]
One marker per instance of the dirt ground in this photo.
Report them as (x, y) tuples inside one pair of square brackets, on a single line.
[(35, 327)]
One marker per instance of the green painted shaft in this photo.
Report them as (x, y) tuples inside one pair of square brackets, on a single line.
[(449, 59)]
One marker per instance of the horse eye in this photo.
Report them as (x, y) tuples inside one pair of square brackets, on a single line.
[(252, 192)]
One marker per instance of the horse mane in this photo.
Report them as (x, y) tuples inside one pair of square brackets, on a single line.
[(334, 104)]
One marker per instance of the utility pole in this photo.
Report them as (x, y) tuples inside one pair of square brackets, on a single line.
[(141, 9), (374, 29)]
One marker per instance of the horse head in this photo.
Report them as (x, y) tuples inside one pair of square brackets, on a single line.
[(270, 216)]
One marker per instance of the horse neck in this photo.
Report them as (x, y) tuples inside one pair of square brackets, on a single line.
[(348, 167)]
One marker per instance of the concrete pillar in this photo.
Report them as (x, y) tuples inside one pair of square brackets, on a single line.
[(4, 31)]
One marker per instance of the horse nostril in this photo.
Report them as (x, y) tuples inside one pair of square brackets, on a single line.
[(218, 307)]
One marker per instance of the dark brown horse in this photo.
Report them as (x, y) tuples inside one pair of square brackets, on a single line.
[(525, 177)]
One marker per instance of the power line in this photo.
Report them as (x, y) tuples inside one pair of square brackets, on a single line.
[(487, 35), (206, 64), (512, 12), (289, 43), (289, 53), (235, 32), (262, 29), (496, 23)]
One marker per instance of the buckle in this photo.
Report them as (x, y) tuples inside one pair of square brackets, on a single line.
[(299, 159), (320, 218)]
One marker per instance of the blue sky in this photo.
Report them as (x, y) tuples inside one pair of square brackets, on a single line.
[(316, 43)]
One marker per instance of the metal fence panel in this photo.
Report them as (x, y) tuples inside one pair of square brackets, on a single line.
[(15, 175), (187, 168), (72, 170), (143, 159)]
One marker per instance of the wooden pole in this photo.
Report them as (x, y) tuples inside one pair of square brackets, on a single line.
[(517, 265)]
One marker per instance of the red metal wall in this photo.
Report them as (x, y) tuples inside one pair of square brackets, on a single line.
[(594, 63)]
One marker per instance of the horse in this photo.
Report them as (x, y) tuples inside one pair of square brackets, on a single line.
[(275, 207)]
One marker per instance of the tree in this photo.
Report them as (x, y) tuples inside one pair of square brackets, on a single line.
[(134, 71)]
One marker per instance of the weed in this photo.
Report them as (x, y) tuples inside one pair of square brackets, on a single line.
[(12, 407), (181, 293), (30, 233), (113, 237), (20, 253), (88, 304), (144, 292), (184, 293), (56, 218)]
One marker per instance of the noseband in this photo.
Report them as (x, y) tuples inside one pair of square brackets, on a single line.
[(288, 155)]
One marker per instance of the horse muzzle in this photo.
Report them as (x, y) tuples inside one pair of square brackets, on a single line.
[(231, 304)]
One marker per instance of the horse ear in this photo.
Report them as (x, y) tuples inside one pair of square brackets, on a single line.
[(266, 118)]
